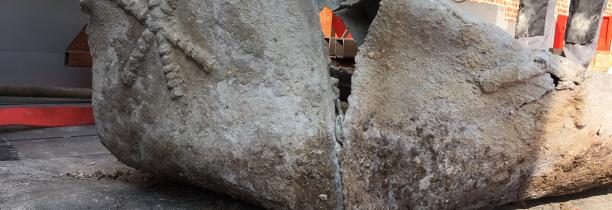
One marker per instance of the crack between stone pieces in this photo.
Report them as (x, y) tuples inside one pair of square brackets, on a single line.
[(534, 100), (337, 150), (339, 185)]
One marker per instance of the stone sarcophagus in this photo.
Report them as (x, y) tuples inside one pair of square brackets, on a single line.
[(446, 112)]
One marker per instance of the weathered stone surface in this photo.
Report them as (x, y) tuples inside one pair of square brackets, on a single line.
[(447, 112), (234, 96)]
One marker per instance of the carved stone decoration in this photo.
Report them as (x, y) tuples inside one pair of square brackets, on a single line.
[(446, 112)]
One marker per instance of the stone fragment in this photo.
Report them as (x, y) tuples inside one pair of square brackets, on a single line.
[(453, 113), (188, 89)]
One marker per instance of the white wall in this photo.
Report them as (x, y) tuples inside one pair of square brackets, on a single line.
[(489, 13), (34, 35)]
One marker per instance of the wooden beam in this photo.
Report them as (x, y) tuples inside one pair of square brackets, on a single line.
[(78, 54)]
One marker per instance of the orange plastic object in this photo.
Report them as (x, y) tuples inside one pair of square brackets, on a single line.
[(325, 17), (46, 116), (333, 26)]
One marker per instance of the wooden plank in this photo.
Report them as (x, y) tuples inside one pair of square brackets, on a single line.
[(78, 59), (78, 53)]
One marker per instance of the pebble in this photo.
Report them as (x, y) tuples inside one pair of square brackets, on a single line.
[(323, 197), (374, 55)]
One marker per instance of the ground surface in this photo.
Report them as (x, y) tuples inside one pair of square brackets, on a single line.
[(67, 168)]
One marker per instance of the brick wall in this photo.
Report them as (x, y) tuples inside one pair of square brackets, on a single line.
[(511, 7)]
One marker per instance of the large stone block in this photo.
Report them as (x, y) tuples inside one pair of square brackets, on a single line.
[(234, 96), (447, 112)]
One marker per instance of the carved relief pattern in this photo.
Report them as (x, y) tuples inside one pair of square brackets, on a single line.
[(156, 16)]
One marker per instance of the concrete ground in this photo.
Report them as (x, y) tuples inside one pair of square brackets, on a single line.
[(67, 168)]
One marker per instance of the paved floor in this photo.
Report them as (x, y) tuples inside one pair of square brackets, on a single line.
[(67, 168)]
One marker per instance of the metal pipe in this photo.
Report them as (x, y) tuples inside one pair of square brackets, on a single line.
[(45, 92)]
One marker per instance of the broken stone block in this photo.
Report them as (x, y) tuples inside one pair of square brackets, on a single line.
[(448, 112), (221, 94)]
